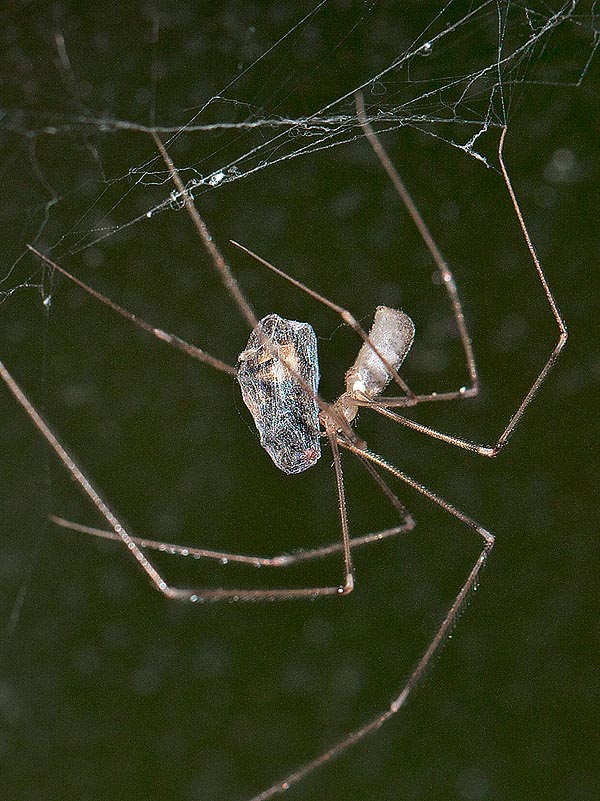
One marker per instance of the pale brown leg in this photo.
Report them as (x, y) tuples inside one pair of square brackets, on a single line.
[(381, 404), (281, 560), (420, 669), (164, 336), (181, 593), (440, 262)]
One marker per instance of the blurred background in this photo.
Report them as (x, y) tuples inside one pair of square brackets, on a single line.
[(107, 691)]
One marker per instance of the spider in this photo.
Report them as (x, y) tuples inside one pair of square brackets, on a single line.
[(278, 376)]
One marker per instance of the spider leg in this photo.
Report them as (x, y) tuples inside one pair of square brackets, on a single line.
[(346, 316), (281, 560), (232, 286), (492, 450), (432, 649), (440, 262), (120, 532), (164, 336)]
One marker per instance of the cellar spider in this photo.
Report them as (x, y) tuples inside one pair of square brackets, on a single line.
[(278, 376)]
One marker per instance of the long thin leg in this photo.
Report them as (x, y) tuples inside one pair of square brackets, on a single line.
[(459, 442), (234, 290), (410, 399), (179, 593), (175, 341), (493, 450), (164, 336), (440, 261), (421, 667), (346, 316), (213, 251), (281, 560), (339, 480)]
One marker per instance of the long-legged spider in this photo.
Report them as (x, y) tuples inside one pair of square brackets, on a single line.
[(278, 374)]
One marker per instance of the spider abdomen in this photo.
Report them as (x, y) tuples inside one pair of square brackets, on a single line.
[(392, 333)]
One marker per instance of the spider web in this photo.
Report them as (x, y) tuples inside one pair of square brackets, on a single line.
[(288, 94)]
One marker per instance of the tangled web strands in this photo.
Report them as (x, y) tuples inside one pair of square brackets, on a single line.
[(453, 73)]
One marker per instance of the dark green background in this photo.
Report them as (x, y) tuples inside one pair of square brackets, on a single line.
[(107, 691)]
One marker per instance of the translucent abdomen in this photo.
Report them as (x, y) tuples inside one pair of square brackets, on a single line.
[(392, 333)]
